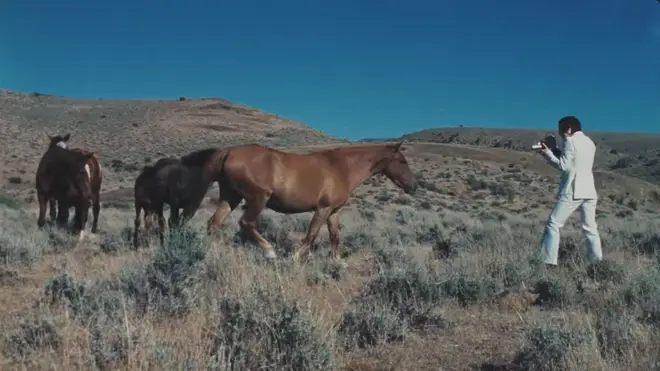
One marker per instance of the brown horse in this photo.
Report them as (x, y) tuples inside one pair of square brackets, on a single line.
[(94, 178), (63, 176), (290, 183), (167, 182)]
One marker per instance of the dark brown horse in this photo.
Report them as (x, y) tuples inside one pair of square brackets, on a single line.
[(94, 178), (167, 182), (62, 176), (290, 183)]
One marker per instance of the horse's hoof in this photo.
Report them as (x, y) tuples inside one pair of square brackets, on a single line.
[(296, 257), (270, 253), (341, 263)]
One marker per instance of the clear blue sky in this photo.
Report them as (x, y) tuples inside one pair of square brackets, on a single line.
[(352, 68)]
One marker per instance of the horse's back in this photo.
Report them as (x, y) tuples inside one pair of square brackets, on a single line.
[(168, 181), (55, 166), (166, 161)]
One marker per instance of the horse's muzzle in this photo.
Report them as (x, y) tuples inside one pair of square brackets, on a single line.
[(411, 189)]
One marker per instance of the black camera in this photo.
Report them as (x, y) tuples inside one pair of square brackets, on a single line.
[(550, 141)]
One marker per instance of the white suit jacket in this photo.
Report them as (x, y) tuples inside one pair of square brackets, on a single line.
[(576, 163)]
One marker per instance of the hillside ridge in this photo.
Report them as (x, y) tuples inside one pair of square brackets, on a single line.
[(631, 154)]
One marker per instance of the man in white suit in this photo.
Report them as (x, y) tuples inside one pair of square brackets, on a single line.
[(576, 190)]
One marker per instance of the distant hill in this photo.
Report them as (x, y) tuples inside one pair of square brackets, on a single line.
[(632, 154), (375, 140)]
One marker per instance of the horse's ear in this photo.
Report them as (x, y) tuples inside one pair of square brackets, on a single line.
[(397, 146), (66, 137)]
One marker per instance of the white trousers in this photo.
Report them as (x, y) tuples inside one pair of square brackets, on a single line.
[(563, 209)]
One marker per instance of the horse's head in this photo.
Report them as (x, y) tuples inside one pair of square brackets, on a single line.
[(77, 167), (395, 167), (60, 140)]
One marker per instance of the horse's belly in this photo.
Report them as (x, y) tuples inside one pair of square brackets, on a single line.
[(289, 207)]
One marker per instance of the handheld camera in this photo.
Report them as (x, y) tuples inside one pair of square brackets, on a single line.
[(550, 141)]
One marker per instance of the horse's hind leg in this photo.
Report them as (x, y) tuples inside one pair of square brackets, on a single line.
[(229, 201), (43, 204)]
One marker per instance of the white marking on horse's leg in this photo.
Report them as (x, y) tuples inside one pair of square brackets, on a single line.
[(81, 236), (270, 253)]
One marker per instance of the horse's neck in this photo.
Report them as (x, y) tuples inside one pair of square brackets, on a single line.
[(364, 164)]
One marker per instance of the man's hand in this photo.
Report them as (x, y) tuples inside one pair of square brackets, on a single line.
[(544, 149)]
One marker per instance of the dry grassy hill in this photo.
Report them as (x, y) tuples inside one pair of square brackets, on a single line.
[(634, 154), (127, 134), (447, 279)]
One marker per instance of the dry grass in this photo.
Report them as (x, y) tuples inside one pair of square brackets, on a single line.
[(403, 303)]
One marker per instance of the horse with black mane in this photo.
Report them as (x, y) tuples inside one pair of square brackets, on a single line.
[(168, 181), (291, 183), (94, 178), (64, 177)]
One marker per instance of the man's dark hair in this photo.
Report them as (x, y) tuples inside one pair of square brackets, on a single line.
[(570, 122)]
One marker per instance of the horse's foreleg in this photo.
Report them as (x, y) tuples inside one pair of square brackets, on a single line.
[(161, 224), (248, 221), (43, 203), (148, 222), (188, 213), (136, 224), (333, 232), (96, 209), (174, 216), (319, 218), (82, 214), (52, 209), (62, 214)]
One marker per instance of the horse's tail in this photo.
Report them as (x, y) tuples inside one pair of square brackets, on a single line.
[(222, 160)]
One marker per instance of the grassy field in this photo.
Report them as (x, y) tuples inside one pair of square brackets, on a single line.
[(447, 279), (422, 291)]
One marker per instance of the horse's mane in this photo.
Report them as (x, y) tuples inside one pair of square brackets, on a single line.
[(148, 169), (198, 158), (166, 161), (65, 156)]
